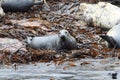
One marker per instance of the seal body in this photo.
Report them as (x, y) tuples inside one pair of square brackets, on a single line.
[(62, 40), (46, 42), (113, 37), (102, 14), (18, 5)]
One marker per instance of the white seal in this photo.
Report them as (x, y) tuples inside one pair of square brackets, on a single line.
[(113, 37)]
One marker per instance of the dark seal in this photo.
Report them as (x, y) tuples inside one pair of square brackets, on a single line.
[(18, 5)]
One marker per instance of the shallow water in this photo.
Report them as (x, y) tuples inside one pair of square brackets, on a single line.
[(46, 71)]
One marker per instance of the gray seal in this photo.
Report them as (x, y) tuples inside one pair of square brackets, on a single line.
[(113, 37), (60, 41), (18, 5)]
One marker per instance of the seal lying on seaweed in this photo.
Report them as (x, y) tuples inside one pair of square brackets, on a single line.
[(19, 5), (113, 37), (62, 40)]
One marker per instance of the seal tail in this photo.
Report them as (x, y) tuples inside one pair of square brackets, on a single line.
[(110, 40), (38, 2)]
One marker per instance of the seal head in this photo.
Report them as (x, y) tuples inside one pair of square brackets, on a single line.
[(66, 41)]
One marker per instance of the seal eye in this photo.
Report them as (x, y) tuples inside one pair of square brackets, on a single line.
[(65, 32)]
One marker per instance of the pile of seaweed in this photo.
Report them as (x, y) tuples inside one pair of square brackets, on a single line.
[(41, 20)]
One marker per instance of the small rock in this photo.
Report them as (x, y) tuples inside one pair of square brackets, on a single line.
[(12, 45)]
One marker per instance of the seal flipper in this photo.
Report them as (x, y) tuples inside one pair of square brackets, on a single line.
[(110, 40)]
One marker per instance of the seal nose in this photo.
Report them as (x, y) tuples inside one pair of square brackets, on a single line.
[(63, 37)]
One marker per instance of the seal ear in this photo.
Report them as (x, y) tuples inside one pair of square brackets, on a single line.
[(110, 40)]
